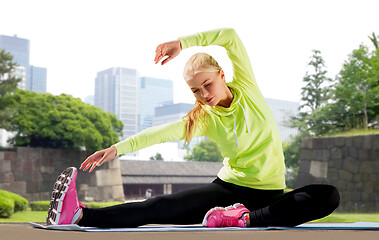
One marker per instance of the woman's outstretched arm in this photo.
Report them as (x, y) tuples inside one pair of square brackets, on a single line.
[(169, 50), (227, 38)]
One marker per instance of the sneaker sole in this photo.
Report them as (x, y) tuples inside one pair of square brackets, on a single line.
[(57, 196)]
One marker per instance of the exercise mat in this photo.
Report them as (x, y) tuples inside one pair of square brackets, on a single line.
[(190, 228)]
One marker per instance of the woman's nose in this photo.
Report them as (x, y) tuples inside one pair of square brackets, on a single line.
[(204, 93)]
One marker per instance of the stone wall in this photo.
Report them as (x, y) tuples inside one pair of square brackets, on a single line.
[(349, 163), (31, 172)]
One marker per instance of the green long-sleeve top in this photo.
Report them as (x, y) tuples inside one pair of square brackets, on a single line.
[(246, 131)]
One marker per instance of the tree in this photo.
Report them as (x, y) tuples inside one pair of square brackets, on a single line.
[(8, 83), (374, 40), (357, 90), (44, 120), (205, 151), (314, 95), (157, 156)]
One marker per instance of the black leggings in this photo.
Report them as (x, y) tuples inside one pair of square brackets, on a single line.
[(268, 207)]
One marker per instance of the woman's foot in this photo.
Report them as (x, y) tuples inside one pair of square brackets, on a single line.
[(65, 207), (236, 215)]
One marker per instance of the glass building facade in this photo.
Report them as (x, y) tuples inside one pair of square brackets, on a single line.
[(116, 91), (283, 111), (153, 93), (19, 48), (37, 81), (20, 72)]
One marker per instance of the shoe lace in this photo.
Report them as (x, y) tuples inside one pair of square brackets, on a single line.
[(229, 221)]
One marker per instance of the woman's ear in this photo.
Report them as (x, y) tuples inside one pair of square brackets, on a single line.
[(222, 75)]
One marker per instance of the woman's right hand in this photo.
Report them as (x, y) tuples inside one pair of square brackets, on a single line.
[(98, 158), (169, 49)]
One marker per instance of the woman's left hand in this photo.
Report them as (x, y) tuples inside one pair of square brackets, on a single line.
[(169, 49)]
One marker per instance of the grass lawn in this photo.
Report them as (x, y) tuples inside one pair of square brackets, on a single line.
[(26, 216), (354, 132), (40, 216), (350, 217)]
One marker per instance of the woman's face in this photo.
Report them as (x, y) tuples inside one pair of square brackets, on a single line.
[(208, 87)]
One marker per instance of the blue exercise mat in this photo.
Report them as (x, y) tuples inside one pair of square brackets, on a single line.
[(190, 228)]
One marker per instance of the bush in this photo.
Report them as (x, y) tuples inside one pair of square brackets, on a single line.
[(20, 203), (6, 207), (40, 205), (44, 205)]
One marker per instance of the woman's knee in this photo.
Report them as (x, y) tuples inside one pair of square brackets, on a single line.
[(333, 197), (326, 195)]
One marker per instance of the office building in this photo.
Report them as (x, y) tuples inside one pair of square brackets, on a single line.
[(283, 111), (37, 82), (90, 100), (20, 72), (19, 48), (153, 93), (116, 91)]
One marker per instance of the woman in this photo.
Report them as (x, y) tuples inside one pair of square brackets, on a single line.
[(236, 116)]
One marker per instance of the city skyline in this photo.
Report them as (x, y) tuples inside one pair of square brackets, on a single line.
[(278, 36), (32, 78)]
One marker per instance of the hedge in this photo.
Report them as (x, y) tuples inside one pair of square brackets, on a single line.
[(6, 207), (44, 205), (20, 203), (39, 205)]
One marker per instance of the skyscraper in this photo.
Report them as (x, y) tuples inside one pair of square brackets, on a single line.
[(283, 111), (154, 92), (37, 80), (19, 48), (20, 72), (116, 91)]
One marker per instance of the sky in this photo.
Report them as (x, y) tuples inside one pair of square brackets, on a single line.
[(75, 39)]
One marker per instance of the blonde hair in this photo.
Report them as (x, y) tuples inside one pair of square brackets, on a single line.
[(199, 62)]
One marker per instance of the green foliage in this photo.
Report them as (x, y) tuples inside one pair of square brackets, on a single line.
[(354, 132), (10, 203), (157, 156), (205, 151), (353, 98), (351, 102), (8, 84), (350, 217), (100, 204), (20, 203), (40, 205), (374, 41), (45, 120), (291, 151), (357, 90), (314, 95), (6, 207)]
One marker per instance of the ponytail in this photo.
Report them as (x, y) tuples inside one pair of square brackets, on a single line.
[(199, 62), (193, 119)]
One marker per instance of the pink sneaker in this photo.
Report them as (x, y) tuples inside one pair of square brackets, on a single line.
[(64, 202), (232, 216)]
